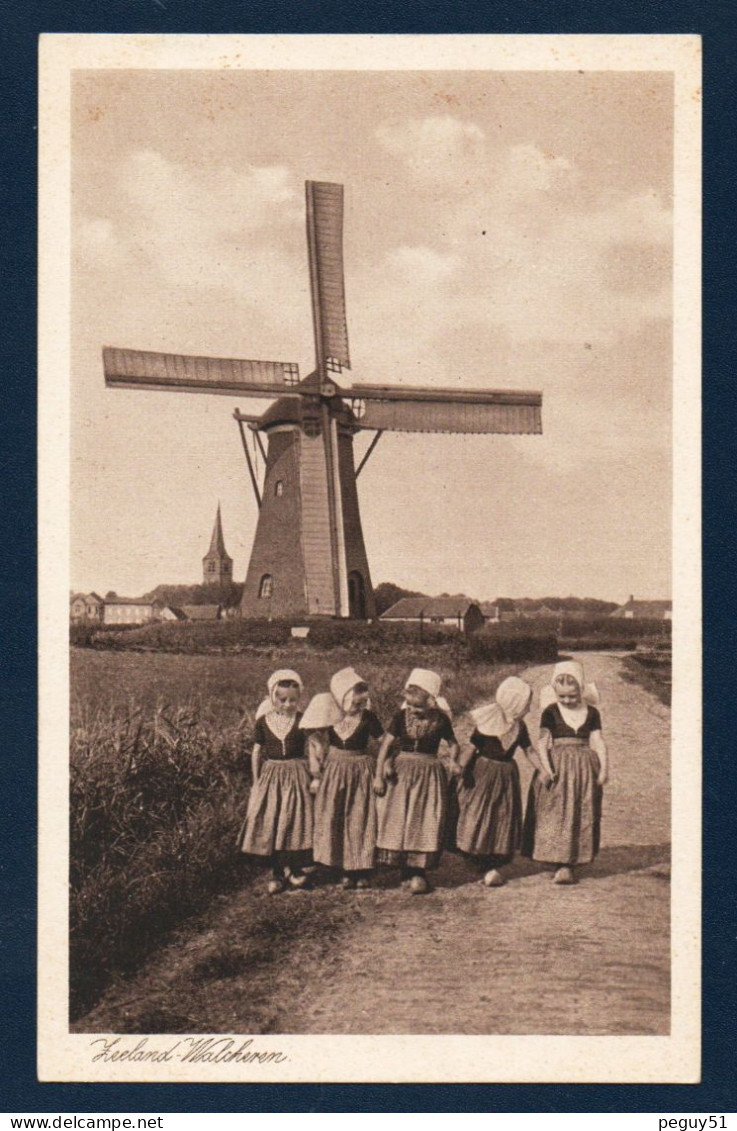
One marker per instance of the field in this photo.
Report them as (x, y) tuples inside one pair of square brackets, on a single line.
[(159, 781)]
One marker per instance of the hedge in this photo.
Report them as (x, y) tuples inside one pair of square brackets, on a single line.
[(510, 641), (496, 646)]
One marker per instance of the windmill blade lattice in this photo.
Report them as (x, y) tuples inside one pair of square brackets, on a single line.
[(388, 408), (145, 369), (325, 250)]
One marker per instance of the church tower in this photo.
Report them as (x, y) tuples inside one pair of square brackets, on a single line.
[(217, 565)]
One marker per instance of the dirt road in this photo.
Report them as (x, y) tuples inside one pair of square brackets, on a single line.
[(527, 958)]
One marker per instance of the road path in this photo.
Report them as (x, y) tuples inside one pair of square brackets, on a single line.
[(528, 958)]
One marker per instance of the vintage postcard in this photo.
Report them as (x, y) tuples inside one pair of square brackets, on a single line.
[(370, 636)]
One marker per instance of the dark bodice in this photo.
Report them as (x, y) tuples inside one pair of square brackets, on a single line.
[(280, 749), (421, 734), (489, 746), (553, 721), (369, 727)]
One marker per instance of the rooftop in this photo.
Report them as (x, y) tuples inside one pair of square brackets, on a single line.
[(411, 608)]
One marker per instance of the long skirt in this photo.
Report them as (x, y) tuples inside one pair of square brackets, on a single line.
[(563, 821), (490, 810), (278, 820), (412, 813), (345, 812)]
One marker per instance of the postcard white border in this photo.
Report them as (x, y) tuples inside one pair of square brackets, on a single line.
[(458, 1059)]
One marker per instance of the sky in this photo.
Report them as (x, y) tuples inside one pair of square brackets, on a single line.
[(502, 230)]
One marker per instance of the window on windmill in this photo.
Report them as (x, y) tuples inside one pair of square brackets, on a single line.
[(279, 488), (266, 588)]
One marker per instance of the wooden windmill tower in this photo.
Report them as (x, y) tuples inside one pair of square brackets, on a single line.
[(308, 556)]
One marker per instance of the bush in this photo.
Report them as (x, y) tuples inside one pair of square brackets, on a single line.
[(80, 634), (194, 637), (596, 644), (379, 636), (619, 633), (614, 628)]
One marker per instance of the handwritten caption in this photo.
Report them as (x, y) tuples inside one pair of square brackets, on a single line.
[(183, 1050)]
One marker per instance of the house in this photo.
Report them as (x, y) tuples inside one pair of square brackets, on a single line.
[(131, 610), (538, 611), (504, 608), (459, 612), (202, 612), (644, 610), (86, 607), (171, 613)]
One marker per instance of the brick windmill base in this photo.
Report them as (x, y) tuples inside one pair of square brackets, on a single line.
[(308, 556)]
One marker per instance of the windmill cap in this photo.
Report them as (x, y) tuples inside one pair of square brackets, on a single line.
[(285, 410), (291, 410)]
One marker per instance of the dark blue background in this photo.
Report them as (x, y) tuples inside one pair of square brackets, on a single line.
[(20, 24)]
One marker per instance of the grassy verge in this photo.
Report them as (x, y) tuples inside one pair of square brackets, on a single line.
[(655, 677), (244, 938)]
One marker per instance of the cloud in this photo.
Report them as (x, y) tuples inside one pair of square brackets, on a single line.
[(422, 265), (433, 147), (195, 225), (97, 251), (531, 169)]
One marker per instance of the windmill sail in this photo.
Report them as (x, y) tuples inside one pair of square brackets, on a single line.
[(325, 249), (484, 411), (144, 369)]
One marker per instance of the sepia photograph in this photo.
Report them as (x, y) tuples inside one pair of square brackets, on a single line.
[(370, 558)]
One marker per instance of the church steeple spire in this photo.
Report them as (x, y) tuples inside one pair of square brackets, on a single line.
[(217, 565)]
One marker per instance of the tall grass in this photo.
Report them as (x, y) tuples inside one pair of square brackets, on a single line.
[(159, 783), (155, 800)]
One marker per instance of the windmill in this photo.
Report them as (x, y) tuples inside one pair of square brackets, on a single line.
[(308, 556)]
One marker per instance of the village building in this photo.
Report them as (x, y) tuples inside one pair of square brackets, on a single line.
[(503, 608), (217, 564), (135, 610), (86, 607), (644, 610), (459, 612), (540, 611)]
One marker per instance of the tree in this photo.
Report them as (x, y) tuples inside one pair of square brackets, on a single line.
[(387, 594)]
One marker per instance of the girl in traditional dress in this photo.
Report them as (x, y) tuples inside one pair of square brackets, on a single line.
[(563, 818), (413, 808), (344, 728), (278, 824), (489, 795)]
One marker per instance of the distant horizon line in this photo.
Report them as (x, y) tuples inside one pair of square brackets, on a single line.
[(484, 600)]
